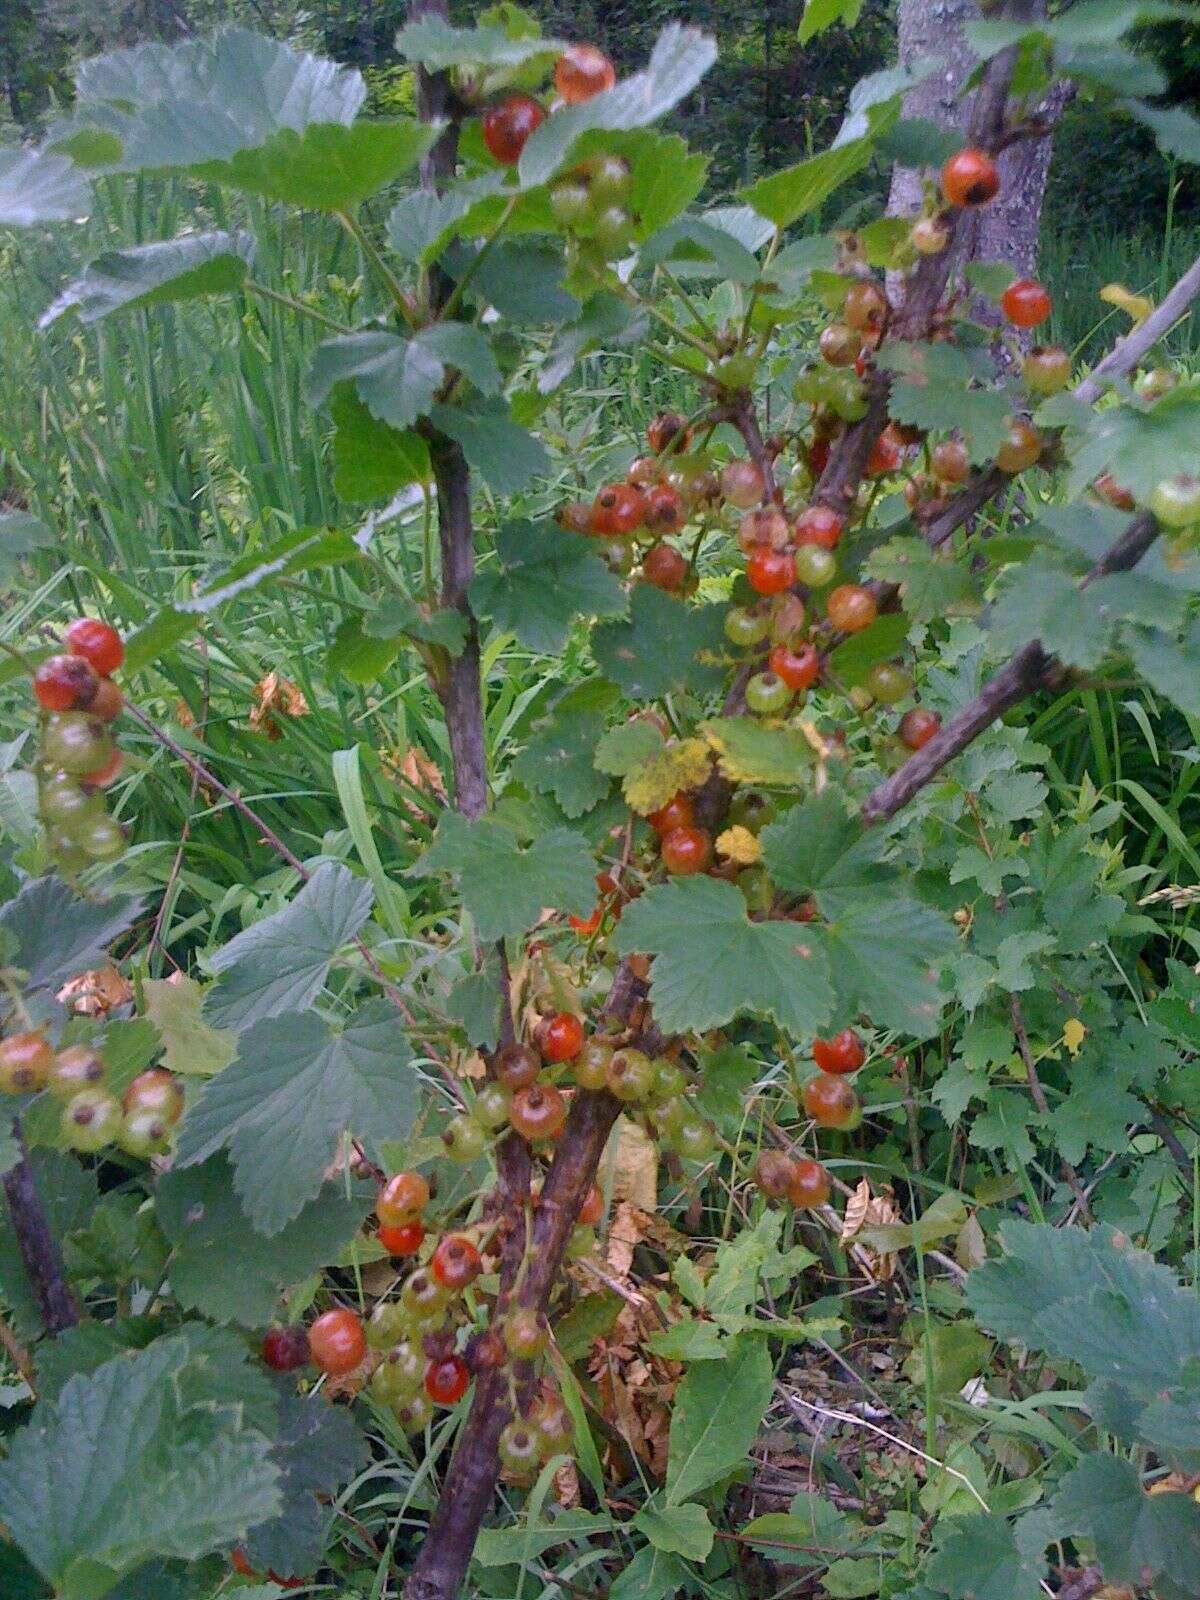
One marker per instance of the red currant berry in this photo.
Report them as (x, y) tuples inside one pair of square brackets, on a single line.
[(582, 72), (669, 429), (338, 1341), (677, 813), (1021, 448), (455, 1262), (98, 644), (665, 567), (929, 236), (560, 1037), (866, 306), (107, 701), (401, 1198), (618, 508), (1107, 487), (1025, 303), (525, 1334), (830, 1102), (1046, 369), (446, 1381), (103, 777), (773, 1173), (61, 683), (25, 1063), (950, 462), (842, 1054), (887, 454), (156, 1090), (918, 726), (538, 1112), (851, 608), (520, 1450), (285, 1349), (839, 344), (575, 516), (771, 571), (810, 1185), (508, 125), (816, 457), (517, 1066), (819, 525), (664, 511), (970, 178), (592, 1208), (75, 1068), (402, 1238), (686, 850), (742, 484)]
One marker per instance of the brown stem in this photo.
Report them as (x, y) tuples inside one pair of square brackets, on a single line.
[(39, 1250), (1025, 673)]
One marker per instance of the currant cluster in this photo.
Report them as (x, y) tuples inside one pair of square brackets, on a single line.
[(77, 756), (140, 1122)]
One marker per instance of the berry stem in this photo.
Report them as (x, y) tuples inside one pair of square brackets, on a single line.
[(39, 1250)]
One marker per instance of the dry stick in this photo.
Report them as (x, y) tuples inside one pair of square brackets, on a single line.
[(1026, 672), (1039, 1097), (38, 1247)]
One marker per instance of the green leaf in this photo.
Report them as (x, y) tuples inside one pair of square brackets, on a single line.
[(1176, 130), (503, 1547), (474, 1003), (934, 390), (990, 278), (948, 1355), (318, 1449), (750, 750), (505, 455), (651, 768), (58, 933), (326, 167), (680, 58), (684, 1530), (547, 577), (692, 240), (125, 1465), (883, 946), (1137, 1536), (932, 584), (358, 655), (419, 225), (651, 1575), (784, 197), (190, 1046), (713, 963), (68, 1194), (855, 656), (372, 461), (978, 1558), (297, 1086), (504, 886), (1037, 601), (1171, 669), (1139, 446), (822, 14), (223, 1267), (659, 649), (519, 278), (689, 1340), (438, 46), (558, 760), (402, 614), (154, 274), (20, 535), (396, 378), (281, 963), (38, 186), (718, 1409)]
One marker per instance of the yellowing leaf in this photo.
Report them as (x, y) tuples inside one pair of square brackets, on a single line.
[(635, 1166), (740, 845), (749, 751), (677, 766), (1074, 1034), (1137, 306), (190, 1045)]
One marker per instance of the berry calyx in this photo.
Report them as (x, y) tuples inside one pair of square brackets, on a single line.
[(401, 1197), (508, 125), (561, 1037), (286, 1349), (851, 608), (338, 1341), (686, 851), (810, 1185), (970, 178), (98, 644), (402, 1238), (582, 72), (618, 508), (455, 1262), (64, 683), (771, 571), (25, 1063), (538, 1112), (665, 567), (842, 1054), (820, 525), (677, 813), (517, 1066), (1025, 303), (918, 726), (830, 1102), (446, 1381)]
